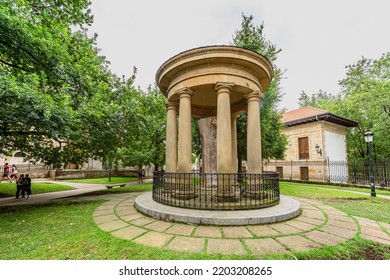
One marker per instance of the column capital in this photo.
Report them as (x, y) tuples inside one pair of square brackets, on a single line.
[(254, 96), (234, 116), (223, 87), (185, 92), (171, 106)]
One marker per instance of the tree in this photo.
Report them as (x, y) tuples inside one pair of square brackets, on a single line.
[(315, 100), (273, 141), (365, 98), (146, 145), (49, 77)]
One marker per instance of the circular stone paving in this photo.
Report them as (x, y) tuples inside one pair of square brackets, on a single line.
[(317, 226), (287, 208)]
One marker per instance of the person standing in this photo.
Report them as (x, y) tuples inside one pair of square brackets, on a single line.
[(143, 173), (19, 185), (6, 172), (139, 175), (26, 186)]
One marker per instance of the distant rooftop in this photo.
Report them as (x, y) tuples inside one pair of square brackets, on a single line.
[(310, 114)]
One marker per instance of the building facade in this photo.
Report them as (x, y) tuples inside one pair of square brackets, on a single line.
[(316, 138)]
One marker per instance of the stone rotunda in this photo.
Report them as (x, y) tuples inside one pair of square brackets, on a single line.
[(221, 81)]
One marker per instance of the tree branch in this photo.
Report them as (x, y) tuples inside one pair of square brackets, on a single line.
[(13, 65)]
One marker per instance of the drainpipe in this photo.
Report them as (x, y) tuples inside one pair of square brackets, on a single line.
[(322, 148)]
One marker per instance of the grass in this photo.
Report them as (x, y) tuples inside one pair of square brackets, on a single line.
[(66, 230), (9, 189), (373, 208), (334, 187), (114, 180)]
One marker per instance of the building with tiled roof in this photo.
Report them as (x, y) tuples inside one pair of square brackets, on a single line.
[(315, 138)]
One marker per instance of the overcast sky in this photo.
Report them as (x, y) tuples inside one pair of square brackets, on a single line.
[(318, 38)]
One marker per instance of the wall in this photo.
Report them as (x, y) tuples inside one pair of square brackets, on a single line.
[(310, 130), (336, 150), (331, 139)]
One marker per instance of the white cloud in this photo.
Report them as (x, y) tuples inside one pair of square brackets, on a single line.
[(317, 38)]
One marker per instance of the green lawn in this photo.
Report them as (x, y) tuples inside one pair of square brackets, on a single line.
[(9, 189), (374, 208), (114, 180), (67, 231), (335, 187)]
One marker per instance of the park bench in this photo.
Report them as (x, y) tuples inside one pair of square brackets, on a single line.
[(115, 185)]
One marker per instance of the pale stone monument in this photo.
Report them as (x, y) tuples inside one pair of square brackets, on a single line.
[(221, 81)]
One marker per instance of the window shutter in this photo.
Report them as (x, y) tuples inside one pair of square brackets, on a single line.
[(303, 146)]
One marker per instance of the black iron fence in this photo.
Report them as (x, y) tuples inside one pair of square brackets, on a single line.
[(349, 172), (216, 191)]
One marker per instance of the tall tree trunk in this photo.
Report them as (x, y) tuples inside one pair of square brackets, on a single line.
[(239, 158), (208, 139)]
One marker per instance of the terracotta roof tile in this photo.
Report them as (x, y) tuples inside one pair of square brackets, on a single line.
[(310, 114), (302, 113)]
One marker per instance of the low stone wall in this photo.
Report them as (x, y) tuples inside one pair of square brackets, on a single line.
[(80, 174)]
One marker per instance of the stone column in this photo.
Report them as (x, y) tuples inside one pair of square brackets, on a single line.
[(225, 191), (224, 128), (185, 131), (234, 144), (254, 160), (171, 139)]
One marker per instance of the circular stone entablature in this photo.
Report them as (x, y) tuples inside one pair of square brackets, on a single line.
[(202, 68)]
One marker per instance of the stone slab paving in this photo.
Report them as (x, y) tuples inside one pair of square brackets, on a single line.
[(226, 246), (308, 220), (160, 226), (187, 244), (298, 243), (154, 239), (112, 225), (263, 230), (324, 238), (318, 225), (129, 232), (105, 218), (181, 229), (208, 231), (341, 232), (343, 224), (386, 226), (261, 247), (236, 232), (284, 228)]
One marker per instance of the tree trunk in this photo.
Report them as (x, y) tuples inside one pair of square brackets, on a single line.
[(208, 139)]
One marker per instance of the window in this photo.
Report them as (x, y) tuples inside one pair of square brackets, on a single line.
[(304, 173), (279, 169), (19, 154), (303, 147)]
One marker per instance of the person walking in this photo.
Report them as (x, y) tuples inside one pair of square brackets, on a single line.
[(6, 173), (14, 172)]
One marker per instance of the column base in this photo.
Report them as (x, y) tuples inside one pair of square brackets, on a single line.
[(255, 192), (184, 193), (228, 197)]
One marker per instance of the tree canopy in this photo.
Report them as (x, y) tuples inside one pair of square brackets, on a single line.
[(365, 98), (273, 141), (54, 84)]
